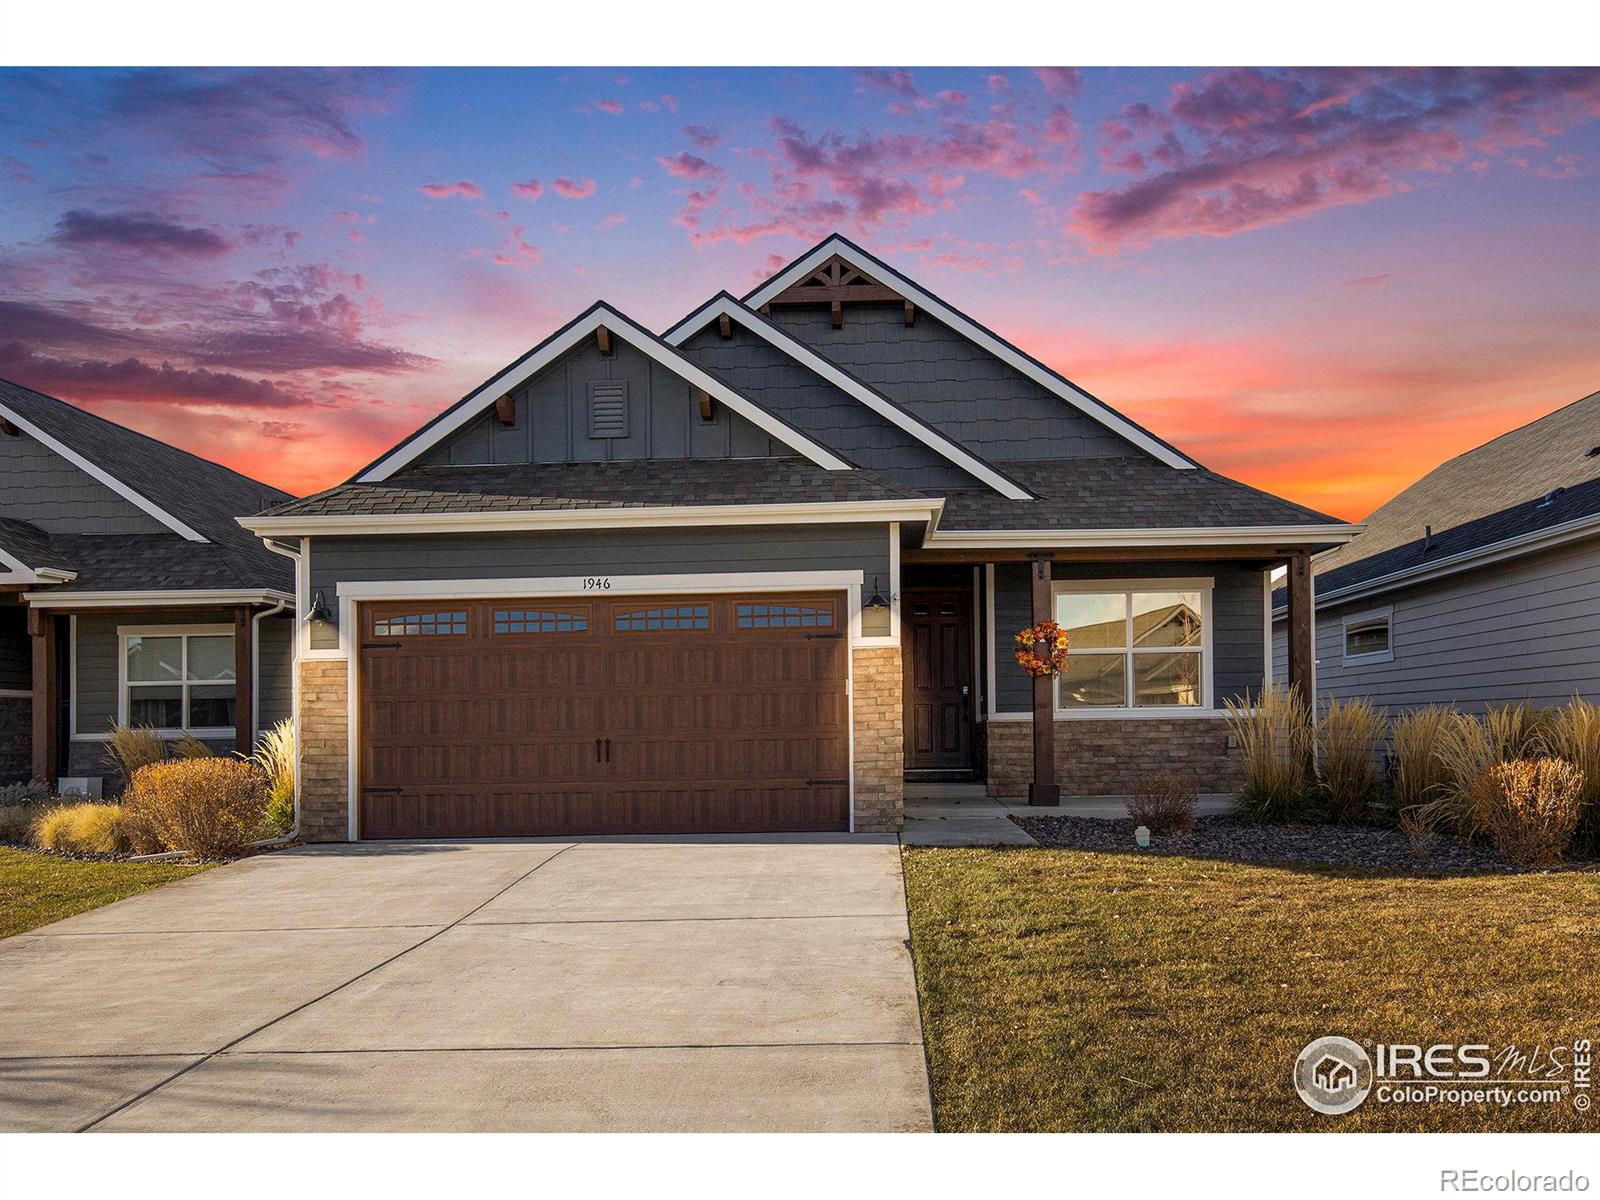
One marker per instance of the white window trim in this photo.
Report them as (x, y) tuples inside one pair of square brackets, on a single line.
[(125, 632), (1384, 614), (1204, 586)]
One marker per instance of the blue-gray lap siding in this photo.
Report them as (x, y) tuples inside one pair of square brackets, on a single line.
[(42, 487), (960, 389), (95, 647), (769, 377), (1237, 619), (1524, 629), (612, 552), (552, 418)]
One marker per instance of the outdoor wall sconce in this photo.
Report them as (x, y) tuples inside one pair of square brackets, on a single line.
[(877, 599), (319, 609)]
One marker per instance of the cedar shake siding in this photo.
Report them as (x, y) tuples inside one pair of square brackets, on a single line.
[(41, 487)]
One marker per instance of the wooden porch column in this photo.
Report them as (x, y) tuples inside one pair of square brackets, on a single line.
[(46, 750), (1301, 623), (1043, 789), (244, 691)]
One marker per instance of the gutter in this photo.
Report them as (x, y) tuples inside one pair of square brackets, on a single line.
[(294, 701)]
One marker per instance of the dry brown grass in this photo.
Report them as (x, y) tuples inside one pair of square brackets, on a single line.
[(1350, 741), (82, 829), (1063, 990), (189, 746), (1276, 740), (132, 747), (1419, 772), (1164, 804), (1573, 733), (1533, 810), (210, 807), (1469, 750), (274, 754)]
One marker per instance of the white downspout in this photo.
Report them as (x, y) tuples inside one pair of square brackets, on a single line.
[(294, 693)]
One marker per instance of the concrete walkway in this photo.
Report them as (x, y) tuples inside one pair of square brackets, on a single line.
[(964, 814), (639, 984)]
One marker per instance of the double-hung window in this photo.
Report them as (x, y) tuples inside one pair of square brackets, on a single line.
[(1140, 646), (179, 680)]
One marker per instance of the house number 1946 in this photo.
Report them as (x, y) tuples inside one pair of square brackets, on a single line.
[(597, 584)]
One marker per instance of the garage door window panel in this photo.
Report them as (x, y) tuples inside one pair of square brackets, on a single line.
[(539, 620), (663, 619), (426, 624)]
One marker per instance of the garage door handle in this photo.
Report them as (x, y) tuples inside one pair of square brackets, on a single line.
[(608, 749), (598, 742)]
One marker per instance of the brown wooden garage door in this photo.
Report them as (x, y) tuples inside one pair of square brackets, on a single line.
[(669, 714)]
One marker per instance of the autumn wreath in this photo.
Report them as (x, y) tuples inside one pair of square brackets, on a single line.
[(1049, 635)]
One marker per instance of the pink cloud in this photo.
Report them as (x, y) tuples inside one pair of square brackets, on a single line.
[(688, 166), (1059, 81), (441, 191), (704, 137), (566, 188), (531, 190), (516, 250), (608, 106), (612, 220)]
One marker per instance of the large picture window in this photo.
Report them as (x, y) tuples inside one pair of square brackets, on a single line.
[(179, 681), (1133, 649)]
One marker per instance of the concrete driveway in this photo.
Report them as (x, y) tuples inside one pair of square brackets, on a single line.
[(758, 983)]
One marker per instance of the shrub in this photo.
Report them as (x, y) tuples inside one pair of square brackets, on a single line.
[(131, 747), (82, 829), (1163, 804), (17, 821), (23, 793), (274, 754), (1349, 741), (1469, 750), (1573, 733), (1417, 773), (1533, 809), (189, 746), (207, 806), (1275, 741)]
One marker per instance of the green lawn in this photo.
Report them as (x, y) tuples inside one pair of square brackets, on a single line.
[(36, 889), (1064, 990)]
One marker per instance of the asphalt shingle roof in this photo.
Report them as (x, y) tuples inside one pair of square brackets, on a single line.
[(562, 486)]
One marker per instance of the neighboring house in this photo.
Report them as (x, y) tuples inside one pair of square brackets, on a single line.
[(1477, 585), (751, 574), (128, 594)]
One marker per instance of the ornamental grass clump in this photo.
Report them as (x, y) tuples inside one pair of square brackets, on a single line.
[(1573, 733), (130, 747), (210, 807), (189, 746), (1417, 773), (1350, 746), (1276, 740), (274, 755), (1469, 750), (1164, 804), (82, 829), (1533, 808)]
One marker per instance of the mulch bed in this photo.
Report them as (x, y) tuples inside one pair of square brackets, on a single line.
[(1359, 847)]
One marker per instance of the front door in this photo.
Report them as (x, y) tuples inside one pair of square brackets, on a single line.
[(938, 689)]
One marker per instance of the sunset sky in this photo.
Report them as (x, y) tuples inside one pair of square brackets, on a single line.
[(1323, 282)]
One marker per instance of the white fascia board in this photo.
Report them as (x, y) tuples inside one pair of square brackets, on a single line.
[(599, 518), (974, 333), (640, 339), (727, 306), (1467, 560), (151, 599), (116, 485), (18, 571), (1063, 539)]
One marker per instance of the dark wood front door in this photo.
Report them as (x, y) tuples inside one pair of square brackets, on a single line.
[(938, 688), (687, 714)]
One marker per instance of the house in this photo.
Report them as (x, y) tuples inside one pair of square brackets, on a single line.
[(128, 594), (751, 574), (1477, 585)]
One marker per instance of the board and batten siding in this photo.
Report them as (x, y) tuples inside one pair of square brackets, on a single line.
[(682, 550), (1524, 629), (95, 668), (759, 370), (965, 392), (46, 489), (1237, 650), (552, 418)]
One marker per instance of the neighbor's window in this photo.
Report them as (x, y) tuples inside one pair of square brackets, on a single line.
[(1367, 636), (1131, 649), (180, 681)]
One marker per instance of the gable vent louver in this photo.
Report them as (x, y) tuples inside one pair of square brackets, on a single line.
[(608, 409)]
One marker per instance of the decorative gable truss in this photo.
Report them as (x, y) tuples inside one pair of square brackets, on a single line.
[(837, 271), (604, 324), (726, 311)]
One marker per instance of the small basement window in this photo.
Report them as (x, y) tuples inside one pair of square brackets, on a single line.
[(1367, 637)]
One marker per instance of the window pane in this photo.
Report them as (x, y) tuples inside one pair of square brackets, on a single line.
[(1166, 679), (1093, 622), (696, 616), (211, 657), (782, 616), (1166, 619), (421, 625), (517, 620), (155, 658), (210, 707), (1093, 681), (161, 707), (1369, 637)]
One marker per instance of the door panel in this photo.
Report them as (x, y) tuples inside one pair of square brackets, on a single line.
[(936, 629)]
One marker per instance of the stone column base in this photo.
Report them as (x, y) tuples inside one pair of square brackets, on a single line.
[(323, 772), (880, 763), (1113, 757)]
